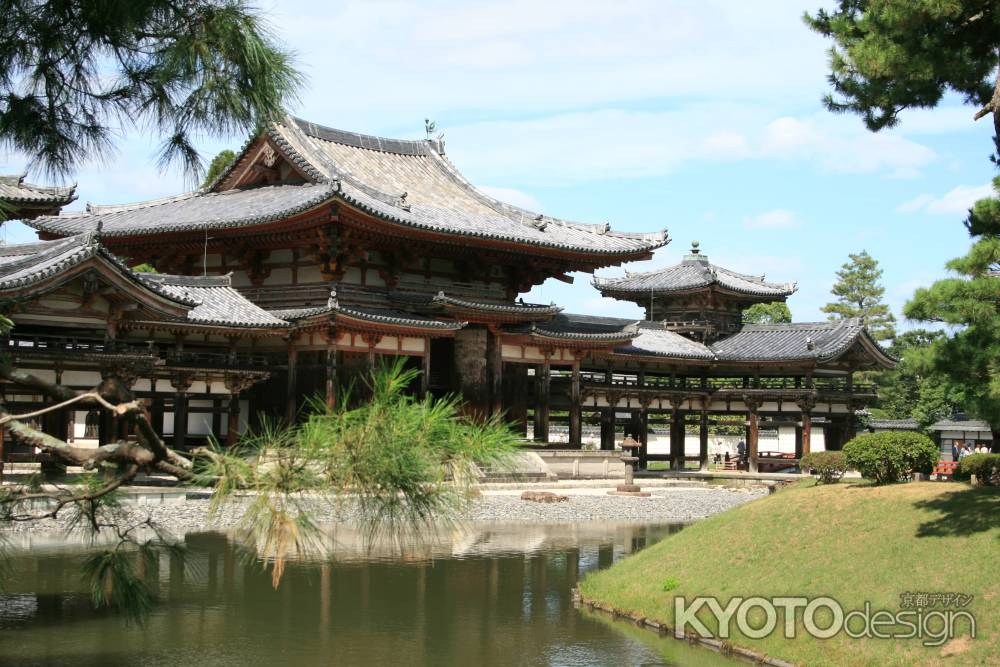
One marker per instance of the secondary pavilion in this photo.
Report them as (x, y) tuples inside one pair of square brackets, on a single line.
[(319, 251)]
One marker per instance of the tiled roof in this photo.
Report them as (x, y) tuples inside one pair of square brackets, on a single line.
[(191, 211), (414, 184), (568, 326), (409, 183), (820, 341), (894, 424), (693, 272), (217, 302), (370, 314), (654, 339), (211, 300), (23, 265), (823, 341), (961, 425), (14, 190), (518, 308)]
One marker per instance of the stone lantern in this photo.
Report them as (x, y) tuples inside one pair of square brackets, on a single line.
[(629, 488)]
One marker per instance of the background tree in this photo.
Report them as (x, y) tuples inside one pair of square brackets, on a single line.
[(72, 74), (890, 55), (859, 294), (767, 313), (912, 388), (218, 165), (971, 300)]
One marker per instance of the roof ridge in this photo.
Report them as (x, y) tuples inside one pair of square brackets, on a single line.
[(188, 281), (105, 209), (517, 213), (762, 279), (414, 147)]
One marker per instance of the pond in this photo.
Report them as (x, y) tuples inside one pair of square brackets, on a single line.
[(486, 595)]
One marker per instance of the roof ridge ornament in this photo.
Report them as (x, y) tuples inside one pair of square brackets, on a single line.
[(331, 301), (93, 238), (401, 201)]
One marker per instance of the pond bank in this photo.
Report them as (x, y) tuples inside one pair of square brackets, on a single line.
[(182, 512)]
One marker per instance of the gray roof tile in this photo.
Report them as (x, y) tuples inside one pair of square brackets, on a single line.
[(409, 183), (692, 273), (191, 211), (212, 299), (413, 183), (14, 190), (217, 302)]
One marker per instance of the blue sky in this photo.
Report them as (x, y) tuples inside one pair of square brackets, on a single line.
[(701, 117)]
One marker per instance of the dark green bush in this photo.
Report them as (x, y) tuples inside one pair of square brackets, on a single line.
[(986, 468), (830, 466), (887, 457)]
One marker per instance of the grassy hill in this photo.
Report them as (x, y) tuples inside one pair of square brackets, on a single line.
[(852, 542)]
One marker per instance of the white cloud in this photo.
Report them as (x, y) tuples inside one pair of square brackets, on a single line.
[(915, 204), (513, 196), (778, 218), (828, 143), (534, 56), (591, 145), (956, 201)]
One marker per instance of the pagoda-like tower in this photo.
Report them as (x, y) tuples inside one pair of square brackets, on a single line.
[(695, 297)]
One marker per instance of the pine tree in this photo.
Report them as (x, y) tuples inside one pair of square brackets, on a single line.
[(970, 358), (74, 74), (891, 55), (859, 294), (218, 165)]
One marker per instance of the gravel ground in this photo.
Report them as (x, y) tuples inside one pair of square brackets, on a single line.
[(666, 505)]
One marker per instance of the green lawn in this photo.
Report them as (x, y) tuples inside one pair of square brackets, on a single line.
[(852, 542)]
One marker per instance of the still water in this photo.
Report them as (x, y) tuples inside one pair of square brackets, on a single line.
[(498, 595)]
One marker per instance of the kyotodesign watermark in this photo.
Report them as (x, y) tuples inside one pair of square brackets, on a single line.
[(933, 618)]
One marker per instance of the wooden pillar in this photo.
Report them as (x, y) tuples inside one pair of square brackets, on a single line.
[(233, 422), (291, 388), (516, 397), (425, 369), (676, 435), (644, 437), (575, 416), (217, 417), (331, 369), (235, 384), (753, 433), (155, 407), (181, 383), (607, 429), (494, 358), (806, 427), (542, 401), (703, 441)]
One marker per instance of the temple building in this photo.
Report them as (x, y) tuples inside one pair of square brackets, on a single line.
[(21, 201), (318, 251)]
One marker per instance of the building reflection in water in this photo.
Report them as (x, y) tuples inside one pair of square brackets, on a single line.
[(495, 595)]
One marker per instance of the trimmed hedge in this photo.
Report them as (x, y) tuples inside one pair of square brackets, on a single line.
[(830, 466), (986, 468), (890, 456)]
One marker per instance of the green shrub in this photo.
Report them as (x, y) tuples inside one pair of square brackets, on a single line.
[(887, 457), (830, 466), (986, 468), (669, 584)]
